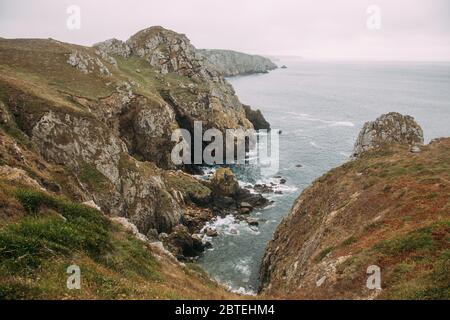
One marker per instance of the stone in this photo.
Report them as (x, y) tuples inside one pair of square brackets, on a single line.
[(211, 232), (224, 183), (114, 47), (92, 204), (252, 221), (246, 205), (390, 128), (182, 244), (256, 118)]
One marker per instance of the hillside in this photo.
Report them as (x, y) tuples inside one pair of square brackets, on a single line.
[(231, 63), (388, 207), (92, 126)]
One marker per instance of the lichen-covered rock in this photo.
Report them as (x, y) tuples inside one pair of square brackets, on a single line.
[(208, 97), (388, 129), (114, 47), (169, 52), (224, 183), (232, 63), (87, 64), (256, 118)]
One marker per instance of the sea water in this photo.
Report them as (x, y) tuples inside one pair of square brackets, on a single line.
[(320, 108)]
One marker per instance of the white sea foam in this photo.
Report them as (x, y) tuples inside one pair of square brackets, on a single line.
[(331, 123)]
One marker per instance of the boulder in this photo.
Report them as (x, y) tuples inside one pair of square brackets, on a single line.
[(391, 128), (256, 118), (182, 244), (224, 183), (252, 221)]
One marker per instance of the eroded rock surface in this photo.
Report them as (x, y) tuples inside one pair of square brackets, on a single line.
[(387, 129), (231, 63)]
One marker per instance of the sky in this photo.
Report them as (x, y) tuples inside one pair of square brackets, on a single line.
[(313, 29)]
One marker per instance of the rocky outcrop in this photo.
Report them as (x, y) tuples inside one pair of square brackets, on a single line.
[(375, 212), (256, 118), (114, 47), (106, 116), (228, 197), (231, 63), (387, 129)]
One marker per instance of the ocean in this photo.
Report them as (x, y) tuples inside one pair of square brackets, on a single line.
[(320, 108)]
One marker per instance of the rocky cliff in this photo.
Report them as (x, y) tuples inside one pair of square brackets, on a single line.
[(231, 63), (94, 125), (387, 208)]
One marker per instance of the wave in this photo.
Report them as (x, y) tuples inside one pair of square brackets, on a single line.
[(331, 123)]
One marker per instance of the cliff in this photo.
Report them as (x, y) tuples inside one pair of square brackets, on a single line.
[(388, 207), (93, 125), (231, 63)]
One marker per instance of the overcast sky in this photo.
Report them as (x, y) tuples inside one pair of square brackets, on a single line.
[(315, 29)]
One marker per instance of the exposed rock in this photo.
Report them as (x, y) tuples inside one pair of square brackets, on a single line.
[(345, 222), (232, 63), (256, 118), (415, 149), (263, 188), (169, 52), (211, 232), (388, 129), (86, 63), (112, 136), (224, 183), (114, 47), (92, 204), (18, 175), (246, 205), (182, 244), (252, 221)]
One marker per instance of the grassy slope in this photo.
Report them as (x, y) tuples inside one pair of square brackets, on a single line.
[(41, 234), (388, 208), (55, 233)]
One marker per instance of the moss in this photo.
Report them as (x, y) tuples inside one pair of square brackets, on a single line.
[(416, 241), (348, 241), (322, 254), (93, 178)]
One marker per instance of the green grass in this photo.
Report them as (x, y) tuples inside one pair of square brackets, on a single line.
[(57, 233), (322, 254), (418, 241), (93, 178), (24, 245), (348, 241)]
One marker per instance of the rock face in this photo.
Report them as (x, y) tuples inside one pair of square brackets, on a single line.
[(387, 129), (109, 126), (363, 215), (114, 47), (256, 118), (231, 63)]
